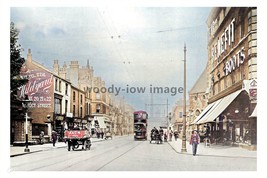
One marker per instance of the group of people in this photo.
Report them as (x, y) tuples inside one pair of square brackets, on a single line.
[(157, 134), (160, 133), (54, 137)]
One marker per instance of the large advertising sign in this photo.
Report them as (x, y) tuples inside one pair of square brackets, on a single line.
[(39, 88)]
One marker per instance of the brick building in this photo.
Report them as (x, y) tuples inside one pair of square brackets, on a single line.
[(232, 75)]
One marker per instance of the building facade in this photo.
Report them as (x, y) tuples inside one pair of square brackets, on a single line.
[(198, 101), (48, 104), (232, 65), (176, 121)]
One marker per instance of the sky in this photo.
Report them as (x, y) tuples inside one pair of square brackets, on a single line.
[(127, 46)]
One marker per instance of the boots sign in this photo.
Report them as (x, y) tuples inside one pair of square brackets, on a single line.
[(223, 45)]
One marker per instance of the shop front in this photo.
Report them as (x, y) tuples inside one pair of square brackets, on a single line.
[(228, 119)]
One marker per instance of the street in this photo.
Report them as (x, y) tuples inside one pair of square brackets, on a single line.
[(125, 154)]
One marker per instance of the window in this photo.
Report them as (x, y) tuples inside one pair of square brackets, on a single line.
[(98, 108), (73, 96), (66, 106), (87, 109), (225, 83), (81, 112), (66, 89), (180, 114), (73, 110), (59, 85), (97, 95), (197, 112), (242, 29), (56, 87), (81, 100), (242, 72), (57, 106)]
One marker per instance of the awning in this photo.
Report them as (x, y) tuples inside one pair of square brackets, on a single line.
[(101, 122), (254, 113), (219, 106), (203, 113)]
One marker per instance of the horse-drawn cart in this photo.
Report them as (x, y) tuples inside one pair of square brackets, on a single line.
[(75, 138)]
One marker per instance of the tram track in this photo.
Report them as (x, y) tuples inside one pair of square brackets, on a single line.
[(81, 159), (103, 153), (127, 151)]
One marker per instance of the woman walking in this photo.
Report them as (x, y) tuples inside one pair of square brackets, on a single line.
[(194, 141)]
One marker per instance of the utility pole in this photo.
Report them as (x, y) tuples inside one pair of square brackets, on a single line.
[(184, 108)]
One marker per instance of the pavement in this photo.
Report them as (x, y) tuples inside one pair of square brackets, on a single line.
[(213, 150), (19, 150)]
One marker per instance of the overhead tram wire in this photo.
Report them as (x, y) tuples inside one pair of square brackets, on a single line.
[(118, 48), (111, 36)]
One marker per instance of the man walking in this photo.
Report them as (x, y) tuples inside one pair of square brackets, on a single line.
[(54, 137)]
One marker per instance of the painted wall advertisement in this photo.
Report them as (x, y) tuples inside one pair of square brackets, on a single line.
[(39, 88)]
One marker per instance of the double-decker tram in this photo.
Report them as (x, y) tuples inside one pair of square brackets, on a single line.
[(140, 125)]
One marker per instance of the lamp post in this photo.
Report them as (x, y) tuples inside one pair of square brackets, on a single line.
[(25, 105), (184, 107)]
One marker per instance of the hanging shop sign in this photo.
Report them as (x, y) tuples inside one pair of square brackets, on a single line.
[(253, 91)]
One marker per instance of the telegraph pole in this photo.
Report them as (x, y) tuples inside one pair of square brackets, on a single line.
[(184, 108)]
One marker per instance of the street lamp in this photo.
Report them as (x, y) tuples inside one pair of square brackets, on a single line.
[(25, 105), (184, 108)]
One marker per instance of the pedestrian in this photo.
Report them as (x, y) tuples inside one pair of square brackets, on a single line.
[(41, 137), (175, 135), (170, 136), (54, 137), (102, 134), (194, 141), (165, 137)]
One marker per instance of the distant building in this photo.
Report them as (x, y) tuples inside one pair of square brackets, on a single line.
[(176, 121), (198, 100)]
